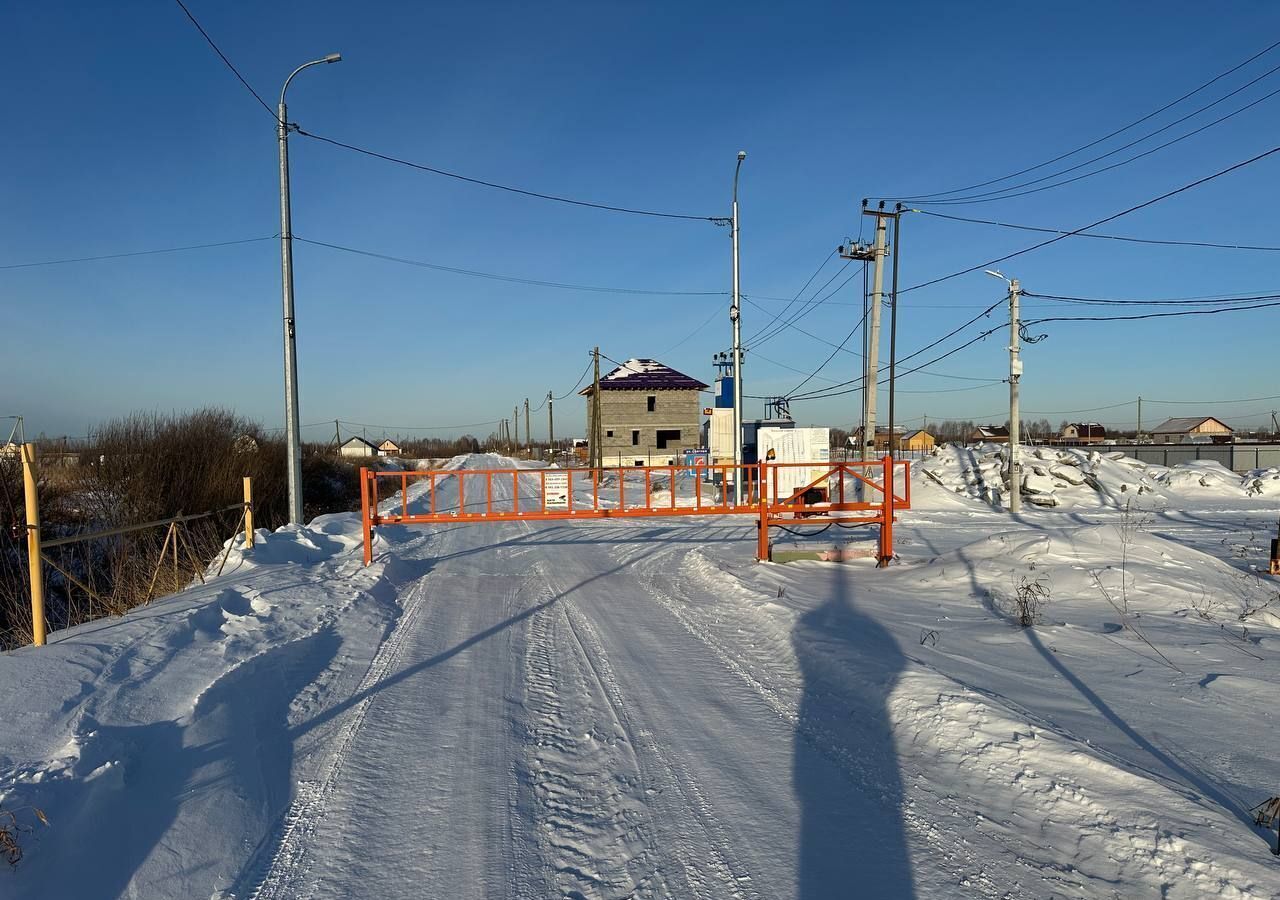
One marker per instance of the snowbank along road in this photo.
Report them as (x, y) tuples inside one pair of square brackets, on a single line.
[(635, 708)]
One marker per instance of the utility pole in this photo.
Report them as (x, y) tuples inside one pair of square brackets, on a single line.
[(1138, 437), (735, 315), (551, 425), (893, 328), (1015, 377), (528, 432), (596, 456), (871, 373), (337, 436), (515, 417)]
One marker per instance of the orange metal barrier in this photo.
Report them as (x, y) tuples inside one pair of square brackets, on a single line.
[(777, 493)]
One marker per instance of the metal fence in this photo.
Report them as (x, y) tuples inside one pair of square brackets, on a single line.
[(1236, 457)]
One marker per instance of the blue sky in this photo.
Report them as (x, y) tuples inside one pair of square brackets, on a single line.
[(125, 132)]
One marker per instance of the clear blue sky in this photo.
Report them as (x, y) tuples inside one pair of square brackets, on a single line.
[(125, 132)]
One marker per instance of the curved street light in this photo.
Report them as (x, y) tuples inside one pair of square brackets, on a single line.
[(293, 430)]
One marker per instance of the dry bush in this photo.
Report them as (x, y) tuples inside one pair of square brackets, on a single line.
[(140, 468), (11, 827)]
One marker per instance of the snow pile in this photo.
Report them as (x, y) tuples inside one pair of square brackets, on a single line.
[(1074, 478)]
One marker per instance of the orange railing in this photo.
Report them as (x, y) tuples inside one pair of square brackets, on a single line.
[(775, 492)]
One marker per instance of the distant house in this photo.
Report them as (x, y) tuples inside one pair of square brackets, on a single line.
[(10, 450), (1192, 430), (882, 437), (389, 448), (649, 414), (1084, 433), (358, 446), (919, 441), (990, 434)]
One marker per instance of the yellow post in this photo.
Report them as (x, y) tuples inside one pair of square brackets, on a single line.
[(33, 544), (248, 512)]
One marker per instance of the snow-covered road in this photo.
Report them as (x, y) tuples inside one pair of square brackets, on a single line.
[(634, 708)]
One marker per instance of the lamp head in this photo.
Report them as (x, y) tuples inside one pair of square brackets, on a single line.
[(742, 154), (333, 58), (995, 273)]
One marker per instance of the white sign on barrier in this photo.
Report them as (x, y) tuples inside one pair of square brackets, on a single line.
[(557, 490)]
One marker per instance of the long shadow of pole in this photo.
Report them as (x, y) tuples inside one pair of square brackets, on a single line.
[(845, 769)]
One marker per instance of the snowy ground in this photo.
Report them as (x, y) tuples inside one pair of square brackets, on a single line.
[(637, 709)]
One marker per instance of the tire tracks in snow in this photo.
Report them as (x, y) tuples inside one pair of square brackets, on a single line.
[(708, 866), (292, 839)]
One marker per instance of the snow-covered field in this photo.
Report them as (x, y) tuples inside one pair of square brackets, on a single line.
[(635, 708)]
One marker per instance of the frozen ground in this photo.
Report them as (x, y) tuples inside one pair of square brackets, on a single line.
[(637, 709)]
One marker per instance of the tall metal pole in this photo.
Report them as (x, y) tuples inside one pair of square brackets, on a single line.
[(1015, 376), (893, 328), (551, 425), (735, 315), (873, 345), (528, 432), (292, 426), (1138, 437)]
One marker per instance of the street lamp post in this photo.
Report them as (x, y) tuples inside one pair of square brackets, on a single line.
[(293, 430), (735, 315)]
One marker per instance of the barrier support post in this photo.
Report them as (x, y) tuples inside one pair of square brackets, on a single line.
[(248, 512), (886, 516), (366, 522), (33, 544), (763, 551)]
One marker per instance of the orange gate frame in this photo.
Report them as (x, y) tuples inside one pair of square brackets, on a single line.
[(760, 496)]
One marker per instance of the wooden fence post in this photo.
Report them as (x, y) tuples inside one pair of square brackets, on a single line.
[(34, 557), (248, 512)]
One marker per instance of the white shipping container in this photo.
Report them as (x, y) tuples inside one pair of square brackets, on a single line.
[(794, 445)]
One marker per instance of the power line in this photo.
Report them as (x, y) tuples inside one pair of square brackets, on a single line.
[(512, 279), (1223, 300), (418, 427), (1004, 193), (1154, 315), (581, 379), (1105, 237), (826, 259), (848, 337), (718, 220), (1112, 134), (1103, 221), (234, 71), (680, 343), (80, 259), (808, 306)]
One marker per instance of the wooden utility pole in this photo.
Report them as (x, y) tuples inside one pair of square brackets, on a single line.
[(34, 557), (337, 435), (596, 455), (528, 432), (515, 417)]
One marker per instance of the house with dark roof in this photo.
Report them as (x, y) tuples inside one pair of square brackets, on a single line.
[(990, 434), (1192, 430), (649, 414), (358, 446), (1084, 433)]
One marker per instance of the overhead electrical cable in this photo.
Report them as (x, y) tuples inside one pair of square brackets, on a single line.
[(234, 71), (512, 279), (1107, 137), (1151, 315), (1225, 301), (1013, 190), (1111, 218), (81, 259), (422, 167), (808, 306), (826, 259), (1104, 237)]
